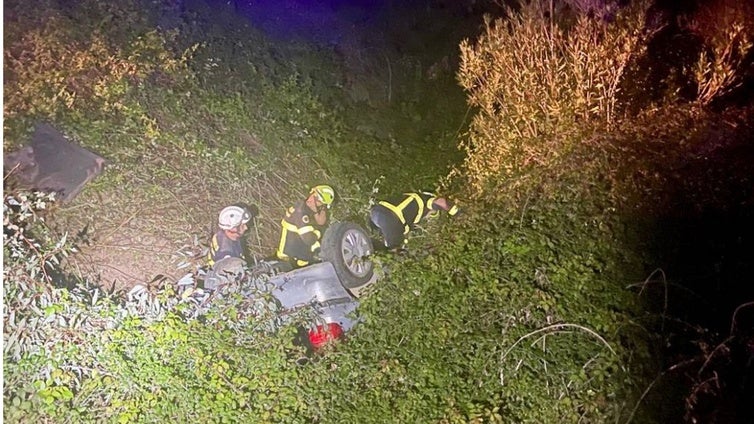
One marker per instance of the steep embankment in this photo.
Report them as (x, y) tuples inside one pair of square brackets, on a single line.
[(220, 113), (524, 309)]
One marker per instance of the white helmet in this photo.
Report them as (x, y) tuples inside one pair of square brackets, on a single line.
[(233, 216)]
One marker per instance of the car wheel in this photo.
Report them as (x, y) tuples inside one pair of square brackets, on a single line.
[(348, 248)]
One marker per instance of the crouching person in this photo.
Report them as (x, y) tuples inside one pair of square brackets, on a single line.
[(227, 242), (303, 226), (396, 217)]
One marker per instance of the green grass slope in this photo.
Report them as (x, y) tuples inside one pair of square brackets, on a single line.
[(524, 309)]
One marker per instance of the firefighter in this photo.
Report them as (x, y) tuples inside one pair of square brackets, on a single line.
[(303, 226), (226, 241), (396, 217)]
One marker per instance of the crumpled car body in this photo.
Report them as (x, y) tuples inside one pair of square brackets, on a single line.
[(328, 289)]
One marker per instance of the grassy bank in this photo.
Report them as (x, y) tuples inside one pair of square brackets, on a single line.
[(526, 308)]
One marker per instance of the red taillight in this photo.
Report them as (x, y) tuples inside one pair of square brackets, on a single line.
[(324, 333)]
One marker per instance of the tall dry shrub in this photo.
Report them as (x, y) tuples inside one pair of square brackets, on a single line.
[(541, 79), (726, 29)]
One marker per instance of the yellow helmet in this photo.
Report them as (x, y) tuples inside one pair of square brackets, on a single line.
[(324, 193)]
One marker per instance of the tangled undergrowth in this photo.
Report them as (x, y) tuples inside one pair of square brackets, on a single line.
[(527, 309), (76, 352)]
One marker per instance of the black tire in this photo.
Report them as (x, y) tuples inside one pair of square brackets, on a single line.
[(348, 248)]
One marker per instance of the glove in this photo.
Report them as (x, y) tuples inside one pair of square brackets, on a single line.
[(316, 254)]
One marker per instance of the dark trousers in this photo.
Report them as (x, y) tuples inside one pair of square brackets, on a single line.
[(389, 226)]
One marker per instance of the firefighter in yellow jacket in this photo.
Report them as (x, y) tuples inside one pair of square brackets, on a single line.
[(303, 226), (396, 217)]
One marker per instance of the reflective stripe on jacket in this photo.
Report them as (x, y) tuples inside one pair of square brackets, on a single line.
[(221, 246), (411, 208), (300, 236)]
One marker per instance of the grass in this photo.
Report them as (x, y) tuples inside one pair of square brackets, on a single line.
[(518, 311)]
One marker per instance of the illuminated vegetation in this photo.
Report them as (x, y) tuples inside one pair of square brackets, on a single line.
[(534, 306)]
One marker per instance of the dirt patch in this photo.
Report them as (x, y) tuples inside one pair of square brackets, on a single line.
[(131, 227), (126, 239), (122, 262)]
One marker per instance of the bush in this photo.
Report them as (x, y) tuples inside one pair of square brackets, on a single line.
[(52, 70), (543, 86), (726, 30)]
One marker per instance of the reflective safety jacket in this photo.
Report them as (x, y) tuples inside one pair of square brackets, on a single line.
[(300, 236), (221, 246), (411, 208)]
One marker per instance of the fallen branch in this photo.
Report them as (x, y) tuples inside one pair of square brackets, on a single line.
[(665, 285), (733, 319), (662, 374), (556, 327)]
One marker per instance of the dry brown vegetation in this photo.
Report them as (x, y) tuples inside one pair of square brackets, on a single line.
[(543, 84), (726, 28), (48, 70), (546, 83)]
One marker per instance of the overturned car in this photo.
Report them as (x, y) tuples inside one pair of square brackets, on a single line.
[(327, 291)]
